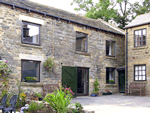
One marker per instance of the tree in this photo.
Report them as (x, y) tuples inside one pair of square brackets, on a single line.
[(104, 9), (139, 9)]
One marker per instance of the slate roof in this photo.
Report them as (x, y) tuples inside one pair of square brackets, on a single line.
[(139, 20), (64, 14)]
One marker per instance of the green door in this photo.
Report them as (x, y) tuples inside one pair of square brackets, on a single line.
[(69, 78), (122, 81)]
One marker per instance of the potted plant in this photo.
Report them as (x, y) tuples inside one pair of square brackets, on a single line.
[(95, 93), (31, 79), (111, 81), (39, 96), (49, 64), (108, 92)]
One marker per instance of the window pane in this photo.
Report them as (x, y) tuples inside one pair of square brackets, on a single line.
[(144, 32), (143, 72), (144, 78), (143, 67), (30, 68), (136, 77), (136, 72), (81, 41), (112, 48), (140, 72), (140, 67), (107, 47), (136, 68), (30, 33), (140, 77)]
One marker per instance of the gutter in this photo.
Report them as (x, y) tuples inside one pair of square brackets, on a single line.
[(57, 17), (126, 70)]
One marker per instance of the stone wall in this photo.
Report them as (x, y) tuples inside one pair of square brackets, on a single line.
[(58, 40), (138, 55)]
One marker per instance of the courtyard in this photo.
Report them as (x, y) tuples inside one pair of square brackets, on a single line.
[(117, 103)]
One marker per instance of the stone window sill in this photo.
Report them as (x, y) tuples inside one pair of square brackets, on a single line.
[(139, 81), (82, 53), (137, 48), (111, 85), (37, 84), (109, 57), (32, 46)]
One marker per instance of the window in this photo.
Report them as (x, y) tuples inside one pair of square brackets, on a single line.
[(110, 74), (30, 68), (140, 37), (31, 33), (110, 48), (140, 72), (81, 42)]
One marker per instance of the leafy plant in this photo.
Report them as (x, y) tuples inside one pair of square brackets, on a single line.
[(96, 89), (35, 107), (68, 91), (21, 96), (111, 81), (49, 63), (59, 101), (78, 109), (38, 95), (31, 78), (4, 68)]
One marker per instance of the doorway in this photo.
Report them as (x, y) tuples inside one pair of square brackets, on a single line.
[(82, 81), (77, 78), (121, 80)]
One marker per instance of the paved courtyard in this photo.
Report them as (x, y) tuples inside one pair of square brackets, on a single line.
[(117, 103)]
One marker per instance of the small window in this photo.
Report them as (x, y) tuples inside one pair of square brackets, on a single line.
[(110, 48), (31, 33), (81, 42), (30, 69), (140, 72), (140, 37), (110, 74)]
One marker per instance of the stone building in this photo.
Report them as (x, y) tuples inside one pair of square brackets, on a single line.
[(84, 49), (137, 51)]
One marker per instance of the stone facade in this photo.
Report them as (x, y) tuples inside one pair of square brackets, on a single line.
[(138, 56), (58, 40)]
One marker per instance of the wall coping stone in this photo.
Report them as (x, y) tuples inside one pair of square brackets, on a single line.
[(143, 47), (31, 84), (33, 46), (111, 85), (82, 53)]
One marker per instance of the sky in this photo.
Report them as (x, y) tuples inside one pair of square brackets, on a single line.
[(64, 4)]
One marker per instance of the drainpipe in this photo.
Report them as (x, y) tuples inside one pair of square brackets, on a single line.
[(126, 58)]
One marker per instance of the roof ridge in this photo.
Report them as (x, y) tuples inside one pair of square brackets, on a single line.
[(110, 24)]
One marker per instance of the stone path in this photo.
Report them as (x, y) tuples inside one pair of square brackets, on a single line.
[(116, 103)]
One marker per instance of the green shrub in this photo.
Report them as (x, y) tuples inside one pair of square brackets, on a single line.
[(96, 89), (59, 101), (35, 107), (78, 109), (38, 95)]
